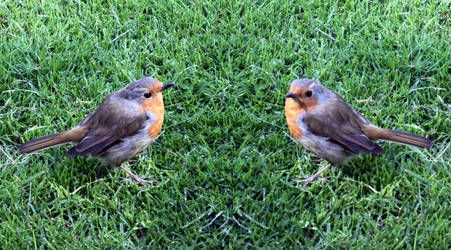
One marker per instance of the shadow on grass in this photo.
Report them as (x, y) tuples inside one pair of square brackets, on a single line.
[(372, 169), (77, 171)]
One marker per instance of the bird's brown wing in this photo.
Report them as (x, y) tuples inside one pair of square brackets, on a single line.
[(108, 125), (341, 124)]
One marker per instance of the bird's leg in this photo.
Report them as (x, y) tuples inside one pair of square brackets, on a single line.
[(314, 177), (133, 177)]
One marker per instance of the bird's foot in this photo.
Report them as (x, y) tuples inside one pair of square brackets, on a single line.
[(314, 177), (310, 180), (142, 182), (133, 177)]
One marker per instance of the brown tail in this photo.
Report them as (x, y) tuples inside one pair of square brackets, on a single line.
[(49, 141), (397, 136)]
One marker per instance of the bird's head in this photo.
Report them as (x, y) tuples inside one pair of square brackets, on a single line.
[(147, 92), (305, 94)]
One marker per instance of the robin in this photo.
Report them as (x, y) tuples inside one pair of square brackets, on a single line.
[(124, 124), (325, 124)]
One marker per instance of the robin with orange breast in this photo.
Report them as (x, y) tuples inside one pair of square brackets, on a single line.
[(124, 124), (325, 124)]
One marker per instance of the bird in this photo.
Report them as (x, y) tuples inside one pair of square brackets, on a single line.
[(323, 123), (124, 124)]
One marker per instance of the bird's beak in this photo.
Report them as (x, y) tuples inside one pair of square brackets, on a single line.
[(296, 99), (167, 85), (291, 95)]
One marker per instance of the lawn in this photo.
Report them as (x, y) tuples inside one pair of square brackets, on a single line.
[(225, 159)]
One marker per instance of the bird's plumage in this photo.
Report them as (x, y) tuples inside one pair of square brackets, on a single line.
[(325, 124), (124, 124)]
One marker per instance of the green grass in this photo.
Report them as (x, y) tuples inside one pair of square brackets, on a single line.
[(224, 159)]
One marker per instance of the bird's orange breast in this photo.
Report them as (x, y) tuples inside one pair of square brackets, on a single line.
[(156, 106), (292, 111)]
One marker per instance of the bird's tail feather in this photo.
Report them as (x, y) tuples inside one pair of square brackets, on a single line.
[(398, 137), (43, 142), (49, 141)]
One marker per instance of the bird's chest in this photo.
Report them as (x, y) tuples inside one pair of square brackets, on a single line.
[(291, 114), (156, 114)]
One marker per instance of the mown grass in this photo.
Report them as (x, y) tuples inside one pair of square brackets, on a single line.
[(224, 159)]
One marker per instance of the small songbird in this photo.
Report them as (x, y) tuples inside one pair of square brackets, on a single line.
[(325, 124), (123, 125)]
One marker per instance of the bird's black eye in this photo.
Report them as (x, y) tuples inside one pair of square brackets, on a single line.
[(147, 95), (308, 93)]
